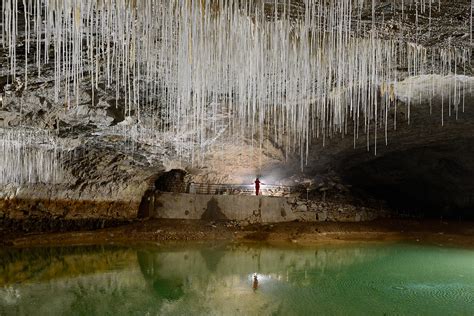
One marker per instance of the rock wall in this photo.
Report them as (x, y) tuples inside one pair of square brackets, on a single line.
[(100, 185), (256, 209), (45, 202), (428, 164), (43, 208)]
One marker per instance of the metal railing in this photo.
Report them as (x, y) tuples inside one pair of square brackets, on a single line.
[(238, 189)]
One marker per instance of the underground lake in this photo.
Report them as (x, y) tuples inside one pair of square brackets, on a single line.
[(243, 279)]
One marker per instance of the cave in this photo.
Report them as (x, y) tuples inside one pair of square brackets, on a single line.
[(172, 181), (218, 155)]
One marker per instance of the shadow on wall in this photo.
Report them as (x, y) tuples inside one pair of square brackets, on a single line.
[(213, 212)]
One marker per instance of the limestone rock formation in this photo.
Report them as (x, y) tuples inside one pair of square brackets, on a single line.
[(113, 153)]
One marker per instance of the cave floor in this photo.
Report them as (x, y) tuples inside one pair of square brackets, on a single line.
[(153, 231)]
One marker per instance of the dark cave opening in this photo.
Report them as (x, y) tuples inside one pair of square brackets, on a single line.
[(172, 181), (425, 182)]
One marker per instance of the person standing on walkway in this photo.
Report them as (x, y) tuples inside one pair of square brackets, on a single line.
[(257, 186)]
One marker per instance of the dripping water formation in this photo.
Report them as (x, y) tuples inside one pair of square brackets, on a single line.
[(370, 99), (203, 71)]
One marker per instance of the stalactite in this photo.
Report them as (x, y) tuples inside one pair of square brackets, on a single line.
[(223, 68), (29, 156)]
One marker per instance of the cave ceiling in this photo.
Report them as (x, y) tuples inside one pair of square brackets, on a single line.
[(237, 88)]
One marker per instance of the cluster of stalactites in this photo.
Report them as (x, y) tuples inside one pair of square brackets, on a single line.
[(29, 156), (222, 67)]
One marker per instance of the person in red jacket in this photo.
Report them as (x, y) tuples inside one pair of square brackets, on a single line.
[(257, 186)]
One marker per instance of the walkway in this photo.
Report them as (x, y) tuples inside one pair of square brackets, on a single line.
[(238, 189)]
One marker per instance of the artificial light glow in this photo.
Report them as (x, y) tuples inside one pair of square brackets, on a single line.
[(262, 278)]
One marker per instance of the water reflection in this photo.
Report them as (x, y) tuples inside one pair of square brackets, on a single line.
[(181, 266), (44, 264), (220, 280)]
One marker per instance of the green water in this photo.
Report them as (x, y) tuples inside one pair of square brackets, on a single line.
[(217, 280)]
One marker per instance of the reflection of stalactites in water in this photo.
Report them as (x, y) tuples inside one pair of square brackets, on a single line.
[(9, 295), (292, 266), (390, 273), (45, 265)]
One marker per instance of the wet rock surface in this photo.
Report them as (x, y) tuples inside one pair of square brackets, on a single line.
[(51, 225), (164, 231)]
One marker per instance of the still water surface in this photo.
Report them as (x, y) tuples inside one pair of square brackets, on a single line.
[(394, 279)]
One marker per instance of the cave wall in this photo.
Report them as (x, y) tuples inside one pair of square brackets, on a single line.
[(99, 184), (427, 181), (426, 169)]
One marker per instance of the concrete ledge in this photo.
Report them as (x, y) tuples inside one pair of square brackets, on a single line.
[(254, 209)]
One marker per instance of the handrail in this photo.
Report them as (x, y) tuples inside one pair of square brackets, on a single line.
[(237, 189)]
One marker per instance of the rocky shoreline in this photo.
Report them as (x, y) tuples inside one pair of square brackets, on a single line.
[(155, 231), (49, 225)]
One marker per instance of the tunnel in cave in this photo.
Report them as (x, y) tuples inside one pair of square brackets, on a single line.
[(432, 181), (172, 181)]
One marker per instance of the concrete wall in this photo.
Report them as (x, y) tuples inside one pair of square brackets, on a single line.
[(254, 209)]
